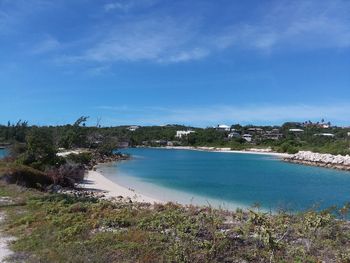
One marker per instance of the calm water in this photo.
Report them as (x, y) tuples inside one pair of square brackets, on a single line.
[(3, 153), (228, 178)]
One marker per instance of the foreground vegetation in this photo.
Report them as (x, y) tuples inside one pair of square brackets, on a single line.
[(61, 228)]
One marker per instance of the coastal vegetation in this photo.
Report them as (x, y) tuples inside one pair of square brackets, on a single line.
[(34, 159), (288, 138), (63, 228), (50, 226)]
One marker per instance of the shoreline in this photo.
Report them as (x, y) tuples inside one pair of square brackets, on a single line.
[(96, 182), (223, 150), (105, 188)]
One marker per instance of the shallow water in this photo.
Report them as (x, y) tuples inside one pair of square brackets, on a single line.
[(3, 153), (230, 179)]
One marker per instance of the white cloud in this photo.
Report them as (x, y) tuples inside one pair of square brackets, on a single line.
[(46, 45), (116, 5), (183, 56), (126, 5), (211, 115), (16, 12), (296, 24), (4, 21), (163, 37), (97, 71), (157, 39)]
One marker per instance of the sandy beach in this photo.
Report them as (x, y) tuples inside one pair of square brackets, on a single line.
[(96, 181), (226, 150)]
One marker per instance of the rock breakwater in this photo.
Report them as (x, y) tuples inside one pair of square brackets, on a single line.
[(340, 162)]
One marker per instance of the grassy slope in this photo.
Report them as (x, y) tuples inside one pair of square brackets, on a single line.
[(58, 228)]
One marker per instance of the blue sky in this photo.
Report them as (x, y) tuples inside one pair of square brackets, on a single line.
[(189, 62)]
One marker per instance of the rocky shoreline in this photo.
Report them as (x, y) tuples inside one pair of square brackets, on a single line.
[(101, 158), (91, 166), (338, 162)]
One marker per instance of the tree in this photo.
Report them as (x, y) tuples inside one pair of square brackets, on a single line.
[(80, 121), (41, 150), (75, 136)]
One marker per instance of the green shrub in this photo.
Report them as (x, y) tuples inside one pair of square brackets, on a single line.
[(23, 175), (81, 158)]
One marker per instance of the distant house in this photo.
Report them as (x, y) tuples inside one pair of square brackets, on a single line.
[(296, 130), (273, 135), (223, 127), (159, 142), (145, 143), (133, 127), (255, 130), (348, 133), (180, 134), (123, 144), (233, 135), (322, 124), (247, 137), (325, 134)]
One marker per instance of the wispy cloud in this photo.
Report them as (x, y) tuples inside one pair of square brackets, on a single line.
[(97, 71), (213, 115), (297, 24), (126, 5), (159, 39), (116, 5), (15, 13), (48, 44), (163, 37)]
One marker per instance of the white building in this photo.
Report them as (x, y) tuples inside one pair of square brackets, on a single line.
[(133, 128), (233, 135), (180, 134), (325, 134), (223, 127), (296, 130), (255, 130), (247, 137)]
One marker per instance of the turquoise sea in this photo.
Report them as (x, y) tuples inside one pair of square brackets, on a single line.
[(229, 179), (3, 153)]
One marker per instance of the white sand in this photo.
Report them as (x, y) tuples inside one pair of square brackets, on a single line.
[(66, 153), (226, 150), (96, 181), (4, 241), (256, 152)]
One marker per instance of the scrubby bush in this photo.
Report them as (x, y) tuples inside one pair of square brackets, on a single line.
[(67, 175), (17, 149), (70, 229), (107, 146), (81, 158), (287, 148), (24, 175), (40, 151)]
